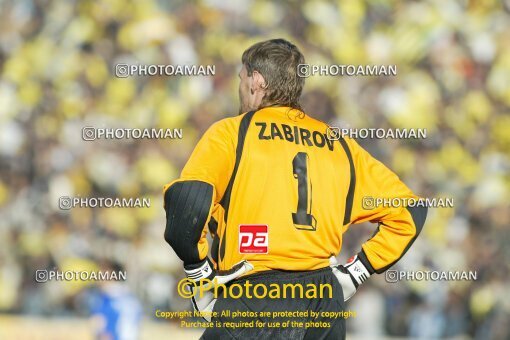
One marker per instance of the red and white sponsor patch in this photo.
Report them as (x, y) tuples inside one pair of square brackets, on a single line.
[(253, 239)]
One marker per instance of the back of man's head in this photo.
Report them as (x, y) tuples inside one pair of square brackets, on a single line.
[(277, 61)]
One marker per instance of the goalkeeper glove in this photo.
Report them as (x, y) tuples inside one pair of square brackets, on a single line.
[(350, 275), (202, 273)]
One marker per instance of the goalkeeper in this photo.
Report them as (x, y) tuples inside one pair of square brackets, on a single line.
[(276, 193)]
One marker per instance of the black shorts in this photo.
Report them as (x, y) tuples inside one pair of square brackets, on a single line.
[(319, 327)]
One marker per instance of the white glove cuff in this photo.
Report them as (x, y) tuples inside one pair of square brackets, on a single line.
[(357, 269), (203, 271)]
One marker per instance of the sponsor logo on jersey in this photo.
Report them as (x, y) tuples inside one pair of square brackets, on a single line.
[(253, 239)]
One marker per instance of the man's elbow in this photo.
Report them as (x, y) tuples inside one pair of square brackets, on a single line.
[(419, 215)]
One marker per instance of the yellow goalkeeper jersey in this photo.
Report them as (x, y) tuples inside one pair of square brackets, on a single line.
[(284, 193)]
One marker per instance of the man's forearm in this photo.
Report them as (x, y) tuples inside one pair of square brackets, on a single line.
[(394, 236)]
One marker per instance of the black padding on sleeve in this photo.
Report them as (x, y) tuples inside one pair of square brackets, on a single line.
[(187, 206)]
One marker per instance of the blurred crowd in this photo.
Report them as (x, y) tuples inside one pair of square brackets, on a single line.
[(57, 63)]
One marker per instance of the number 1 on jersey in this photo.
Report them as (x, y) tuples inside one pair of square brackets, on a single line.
[(303, 218)]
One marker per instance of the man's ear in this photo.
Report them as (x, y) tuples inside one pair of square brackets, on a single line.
[(258, 83)]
